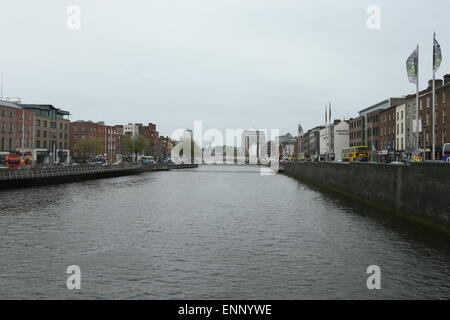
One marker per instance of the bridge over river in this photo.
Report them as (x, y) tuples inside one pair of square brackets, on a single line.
[(212, 232)]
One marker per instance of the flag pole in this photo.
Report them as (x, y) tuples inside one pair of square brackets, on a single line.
[(433, 133), (417, 103)]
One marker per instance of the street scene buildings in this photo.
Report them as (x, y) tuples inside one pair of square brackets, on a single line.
[(385, 128), (45, 135)]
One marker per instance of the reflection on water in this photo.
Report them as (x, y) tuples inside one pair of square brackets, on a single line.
[(210, 233)]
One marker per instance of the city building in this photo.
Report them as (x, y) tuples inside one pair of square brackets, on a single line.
[(153, 147), (16, 128), (400, 133), (288, 145), (254, 145), (333, 140), (387, 134), (51, 133), (442, 109), (107, 135), (166, 145), (304, 146), (340, 138), (132, 130), (356, 132), (410, 130), (314, 142)]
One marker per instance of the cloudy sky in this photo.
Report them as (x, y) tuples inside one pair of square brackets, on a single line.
[(230, 63)]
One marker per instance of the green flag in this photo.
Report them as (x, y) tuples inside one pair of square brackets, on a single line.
[(412, 66), (437, 54)]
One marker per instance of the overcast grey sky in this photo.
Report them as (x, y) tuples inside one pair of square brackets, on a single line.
[(231, 63)]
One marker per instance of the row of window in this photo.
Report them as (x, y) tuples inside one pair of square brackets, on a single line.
[(44, 144), (8, 127), (53, 124), (45, 134), (93, 129)]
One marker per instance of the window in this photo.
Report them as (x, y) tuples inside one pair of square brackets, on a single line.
[(45, 123), (38, 133), (38, 123), (38, 144)]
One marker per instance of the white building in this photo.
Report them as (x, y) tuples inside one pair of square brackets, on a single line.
[(131, 130), (333, 139), (325, 142), (400, 128), (341, 138)]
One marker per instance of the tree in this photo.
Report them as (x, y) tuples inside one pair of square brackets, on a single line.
[(135, 145), (88, 147)]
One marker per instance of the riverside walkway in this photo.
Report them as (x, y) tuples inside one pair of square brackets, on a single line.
[(23, 177)]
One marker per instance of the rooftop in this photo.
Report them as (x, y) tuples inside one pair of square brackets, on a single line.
[(45, 107)]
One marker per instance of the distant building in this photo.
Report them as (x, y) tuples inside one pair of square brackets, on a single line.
[(340, 138), (107, 135), (51, 133), (16, 128), (400, 134), (288, 146), (153, 147), (314, 142), (442, 109), (254, 145), (132, 130)]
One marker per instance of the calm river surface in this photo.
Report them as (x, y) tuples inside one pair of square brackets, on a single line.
[(210, 233)]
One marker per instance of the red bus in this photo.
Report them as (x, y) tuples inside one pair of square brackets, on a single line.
[(13, 161)]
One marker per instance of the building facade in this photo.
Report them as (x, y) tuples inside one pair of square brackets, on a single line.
[(107, 135), (16, 128), (51, 133), (341, 138), (400, 129), (356, 132), (442, 125)]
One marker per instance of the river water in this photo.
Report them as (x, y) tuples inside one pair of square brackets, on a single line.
[(210, 233)]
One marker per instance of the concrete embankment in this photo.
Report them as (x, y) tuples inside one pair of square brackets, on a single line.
[(418, 192), (22, 178)]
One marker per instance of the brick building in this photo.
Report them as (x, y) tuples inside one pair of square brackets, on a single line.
[(442, 110), (388, 132), (16, 128), (373, 133), (51, 133), (153, 146), (108, 135), (356, 132), (166, 145)]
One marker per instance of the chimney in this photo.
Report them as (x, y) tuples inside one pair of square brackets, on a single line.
[(447, 79), (438, 83)]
